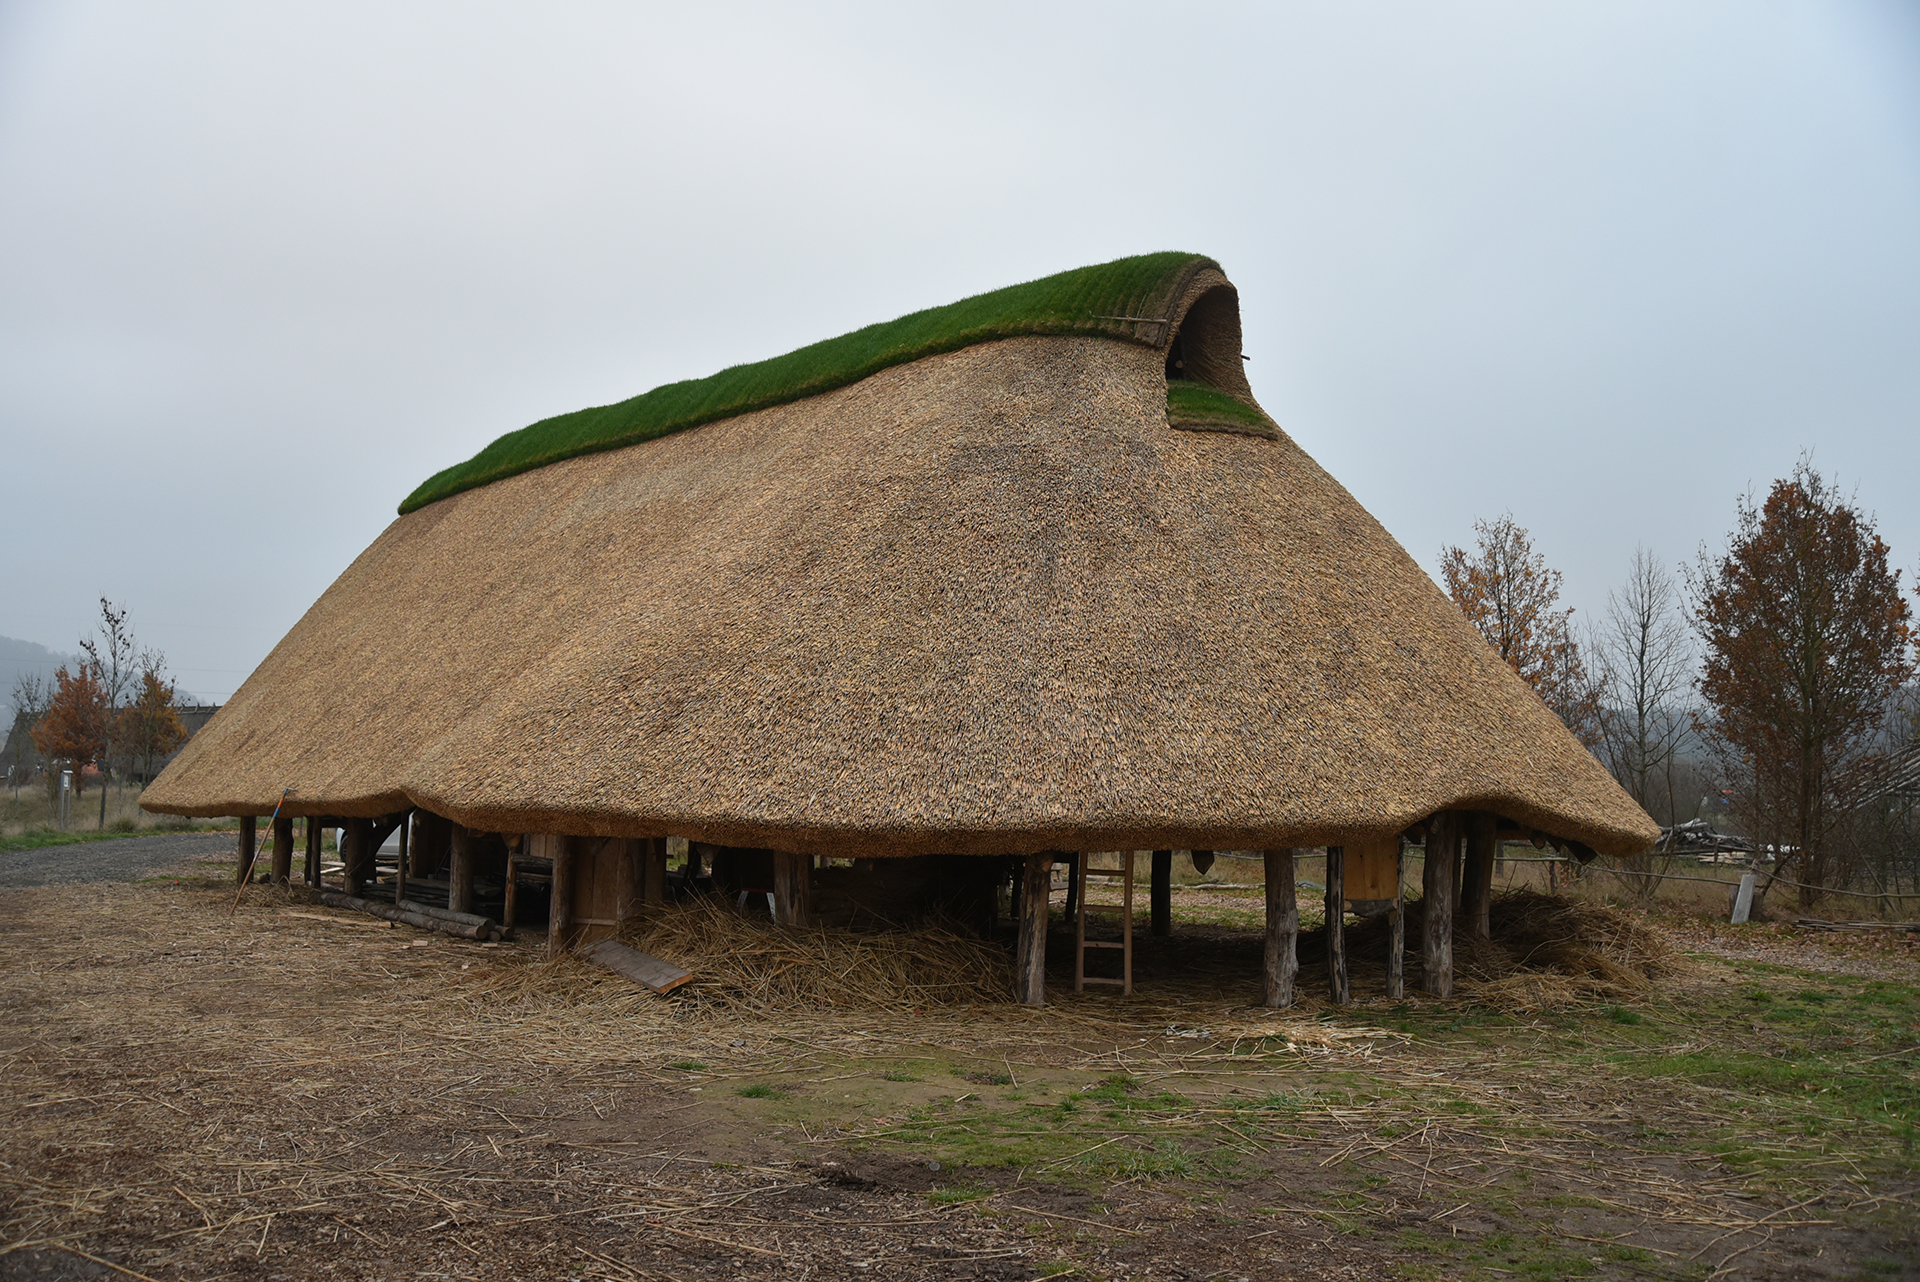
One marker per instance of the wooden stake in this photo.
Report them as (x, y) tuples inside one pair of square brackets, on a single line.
[(1437, 883), (1397, 927), (1337, 925), (1283, 930), (792, 888), (1162, 893), (460, 844), (1030, 957)]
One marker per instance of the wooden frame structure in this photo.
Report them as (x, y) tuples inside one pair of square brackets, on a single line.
[(1080, 941)]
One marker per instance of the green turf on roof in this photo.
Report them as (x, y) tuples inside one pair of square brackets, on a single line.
[(1200, 408), (1087, 301)]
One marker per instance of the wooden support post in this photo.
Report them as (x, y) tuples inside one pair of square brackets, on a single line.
[(1476, 878), (1337, 985), (1162, 893), (400, 863), (1030, 956), (1076, 882), (792, 889), (283, 850), (654, 884), (1437, 883), (315, 833), (432, 837), (246, 850), (1283, 930), (560, 915), (356, 853), (1397, 926), (460, 852)]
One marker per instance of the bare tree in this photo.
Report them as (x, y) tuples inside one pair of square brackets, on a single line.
[(29, 696), (1644, 653), (110, 654)]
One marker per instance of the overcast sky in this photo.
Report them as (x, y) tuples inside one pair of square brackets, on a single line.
[(263, 268)]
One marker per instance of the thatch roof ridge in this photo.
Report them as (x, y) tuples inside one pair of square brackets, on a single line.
[(1128, 299)]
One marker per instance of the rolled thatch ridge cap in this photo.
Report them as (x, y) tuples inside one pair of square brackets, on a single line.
[(1130, 299)]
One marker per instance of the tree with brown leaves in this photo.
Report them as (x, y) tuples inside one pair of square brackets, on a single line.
[(73, 729), (1507, 591), (1806, 636), (149, 728)]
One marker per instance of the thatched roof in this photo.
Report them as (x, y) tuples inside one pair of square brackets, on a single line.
[(982, 601)]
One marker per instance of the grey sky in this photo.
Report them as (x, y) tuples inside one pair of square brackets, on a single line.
[(264, 268)]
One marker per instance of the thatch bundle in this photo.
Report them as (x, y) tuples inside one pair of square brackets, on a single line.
[(987, 601)]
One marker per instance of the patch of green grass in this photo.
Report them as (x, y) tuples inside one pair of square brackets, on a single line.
[(959, 1193), (895, 1075), (1621, 1015), (1195, 405), (40, 838), (1115, 1088), (688, 1066), (1085, 301), (759, 1090)]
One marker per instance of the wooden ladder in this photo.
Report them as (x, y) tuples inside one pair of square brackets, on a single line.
[(1080, 941)]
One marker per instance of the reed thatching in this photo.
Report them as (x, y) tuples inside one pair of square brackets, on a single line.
[(982, 602)]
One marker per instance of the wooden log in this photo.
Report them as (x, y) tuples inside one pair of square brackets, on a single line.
[(1030, 954), (792, 889), (560, 913), (1162, 893), (334, 899), (1397, 927), (641, 968), (243, 869), (461, 843), (1337, 926), (356, 853), (1283, 931), (283, 850), (1476, 878), (1437, 889), (447, 914), (655, 884)]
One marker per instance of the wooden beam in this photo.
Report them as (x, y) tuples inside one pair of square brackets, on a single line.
[(1162, 893), (461, 841), (246, 851), (1437, 889), (792, 889), (560, 914), (1337, 925), (1030, 955), (1397, 926), (654, 889), (1476, 879), (356, 853), (316, 833), (283, 850), (1283, 931)]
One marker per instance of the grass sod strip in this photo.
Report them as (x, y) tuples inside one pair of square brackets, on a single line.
[(1197, 406), (1086, 301)]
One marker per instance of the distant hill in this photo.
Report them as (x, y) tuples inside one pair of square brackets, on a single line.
[(18, 657)]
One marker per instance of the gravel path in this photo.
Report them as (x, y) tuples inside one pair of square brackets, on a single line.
[(123, 859)]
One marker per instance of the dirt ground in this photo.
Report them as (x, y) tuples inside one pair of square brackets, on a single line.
[(304, 1093)]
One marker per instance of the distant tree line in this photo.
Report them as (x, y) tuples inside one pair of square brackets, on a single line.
[(1777, 676)]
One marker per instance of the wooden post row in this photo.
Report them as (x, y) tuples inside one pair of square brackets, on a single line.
[(1437, 886)]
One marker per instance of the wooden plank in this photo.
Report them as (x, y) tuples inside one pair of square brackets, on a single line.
[(1437, 890), (283, 850), (792, 888), (461, 843), (1161, 893), (660, 976), (1282, 962), (1476, 878), (1371, 865), (1030, 955), (1337, 926)]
